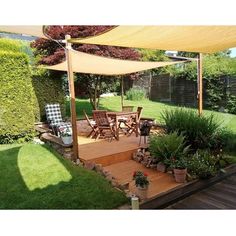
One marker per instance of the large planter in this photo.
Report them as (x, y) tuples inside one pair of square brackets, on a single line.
[(67, 140), (180, 175), (142, 192)]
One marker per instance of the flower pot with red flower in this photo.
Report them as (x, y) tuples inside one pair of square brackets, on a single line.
[(179, 168), (141, 183)]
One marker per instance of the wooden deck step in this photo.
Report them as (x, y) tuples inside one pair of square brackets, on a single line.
[(159, 182), (105, 152)]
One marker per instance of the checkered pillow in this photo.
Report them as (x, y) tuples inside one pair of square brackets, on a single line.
[(64, 125), (53, 114)]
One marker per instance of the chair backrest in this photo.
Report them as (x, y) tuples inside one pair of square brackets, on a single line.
[(53, 114), (100, 117), (139, 110), (87, 118), (127, 108)]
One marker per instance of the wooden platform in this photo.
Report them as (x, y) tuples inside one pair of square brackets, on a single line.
[(219, 196), (116, 157), (105, 152), (159, 182)]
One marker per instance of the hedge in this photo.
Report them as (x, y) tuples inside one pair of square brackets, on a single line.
[(16, 96), (48, 89), (10, 45)]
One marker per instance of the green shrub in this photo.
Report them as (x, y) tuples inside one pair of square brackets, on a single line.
[(169, 146), (228, 140), (16, 98), (135, 94), (200, 131), (202, 164), (11, 45), (48, 89)]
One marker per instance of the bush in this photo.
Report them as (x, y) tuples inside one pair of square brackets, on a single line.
[(228, 140), (48, 89), (200, 131), (11, 45), (16, 97), (202, 164), (135, 94), (169, 146)]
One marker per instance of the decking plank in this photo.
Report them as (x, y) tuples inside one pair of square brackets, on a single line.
[(105, 152), (221, 195), (159, 182)]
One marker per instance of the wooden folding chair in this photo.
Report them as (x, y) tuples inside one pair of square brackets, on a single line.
[(132, 126), (106, 128), (125, 120), (92, 124)]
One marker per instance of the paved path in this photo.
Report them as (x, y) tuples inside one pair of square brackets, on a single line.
[(221, 195)]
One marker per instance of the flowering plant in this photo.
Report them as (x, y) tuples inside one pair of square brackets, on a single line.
[(140, 179), (180, 163), (65, 132)]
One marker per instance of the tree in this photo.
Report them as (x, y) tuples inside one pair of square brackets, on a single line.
[(216, 67), (52, 53), (158, 55)]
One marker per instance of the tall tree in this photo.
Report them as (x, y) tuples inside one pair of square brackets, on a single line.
[(52, 53)]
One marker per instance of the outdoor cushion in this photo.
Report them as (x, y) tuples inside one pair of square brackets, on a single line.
[(53, 114), (54, 118)]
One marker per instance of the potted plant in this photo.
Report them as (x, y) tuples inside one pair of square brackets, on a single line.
[(179, 168), (141, 183), (66, 135), (164, 147)]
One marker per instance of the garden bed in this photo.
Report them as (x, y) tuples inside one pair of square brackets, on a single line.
[(164, 199)]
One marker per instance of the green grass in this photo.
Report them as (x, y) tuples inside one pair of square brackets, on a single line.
[(150, 109), (35, 177)]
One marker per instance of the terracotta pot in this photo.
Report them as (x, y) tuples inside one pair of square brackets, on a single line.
[(180, 175), (142, 192)]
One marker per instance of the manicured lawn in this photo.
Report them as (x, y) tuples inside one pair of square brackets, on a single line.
[(150, 109), (34, 177)]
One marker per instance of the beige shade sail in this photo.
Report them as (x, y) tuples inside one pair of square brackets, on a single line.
[(32, 30), (205, 39), (92, 64)]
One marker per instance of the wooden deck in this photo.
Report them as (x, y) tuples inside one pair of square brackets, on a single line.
[(159, 182), (105, 152), (116, 157), (219, 196)]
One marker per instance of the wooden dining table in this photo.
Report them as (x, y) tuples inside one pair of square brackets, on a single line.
[(118, 115)]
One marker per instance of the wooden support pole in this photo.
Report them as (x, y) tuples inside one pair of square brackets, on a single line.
[(199, 79), (72, 99), (122, 91)]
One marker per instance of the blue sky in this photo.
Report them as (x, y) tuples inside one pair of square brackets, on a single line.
[(233, 52)]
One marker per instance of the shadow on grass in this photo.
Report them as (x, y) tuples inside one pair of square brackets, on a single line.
[(85, 190)]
